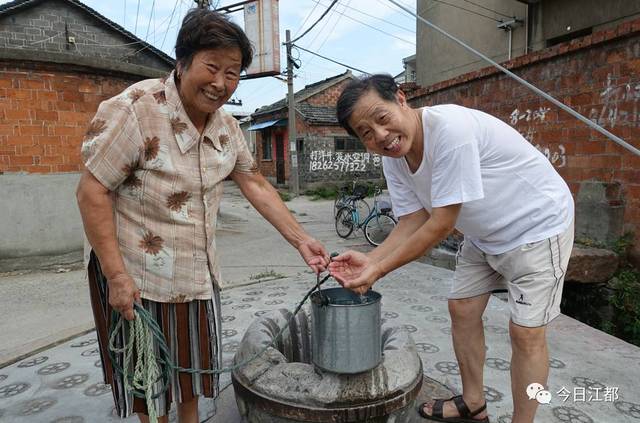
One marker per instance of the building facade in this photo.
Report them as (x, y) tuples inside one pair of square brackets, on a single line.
[(505, 29), (327, 154), (58, 60)]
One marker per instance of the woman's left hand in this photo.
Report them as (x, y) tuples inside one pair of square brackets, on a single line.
[(314, 254)]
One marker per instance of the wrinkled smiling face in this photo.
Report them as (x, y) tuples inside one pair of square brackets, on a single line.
[(383, 126), (210, 80)]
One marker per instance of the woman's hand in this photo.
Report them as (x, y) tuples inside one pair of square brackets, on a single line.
[(122, 294), (314, 254), (355, 271)]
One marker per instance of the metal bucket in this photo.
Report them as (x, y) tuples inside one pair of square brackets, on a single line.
[(346, 332)]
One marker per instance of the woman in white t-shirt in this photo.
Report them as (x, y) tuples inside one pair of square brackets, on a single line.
[(452, 167)]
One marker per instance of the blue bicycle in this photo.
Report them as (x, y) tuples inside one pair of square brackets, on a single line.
[(377, 225)]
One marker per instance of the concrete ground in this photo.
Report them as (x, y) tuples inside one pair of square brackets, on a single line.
[(44, 382)]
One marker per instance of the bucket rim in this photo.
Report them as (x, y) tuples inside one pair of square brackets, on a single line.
[(375, 298)]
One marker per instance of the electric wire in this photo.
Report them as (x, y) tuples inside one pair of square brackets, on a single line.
[(316, 22), (377, 18), (331, 60), (153, 5), (169, 24), (487, 9), (328, 34), (135, 28), (532, 87), (468, 10), (306, 19), (372, 27), (335, 24)]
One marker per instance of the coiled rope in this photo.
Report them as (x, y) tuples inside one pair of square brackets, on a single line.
[(153, 367)]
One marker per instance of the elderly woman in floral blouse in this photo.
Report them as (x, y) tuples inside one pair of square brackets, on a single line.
[(155, 157)]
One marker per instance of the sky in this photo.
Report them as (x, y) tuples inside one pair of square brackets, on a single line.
[(354, 32)]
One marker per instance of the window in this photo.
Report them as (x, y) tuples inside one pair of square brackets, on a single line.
[(266, 149), (569, 36), (349, 144), (300, 145)]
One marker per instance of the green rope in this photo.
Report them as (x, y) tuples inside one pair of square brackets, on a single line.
[(153, 368)]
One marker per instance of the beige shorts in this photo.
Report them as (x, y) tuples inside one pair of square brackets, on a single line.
[(533, 275)]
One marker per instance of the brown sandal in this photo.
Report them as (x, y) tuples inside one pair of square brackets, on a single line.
[(466, 416)]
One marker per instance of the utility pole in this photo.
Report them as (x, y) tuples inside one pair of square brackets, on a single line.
[(293, 156)]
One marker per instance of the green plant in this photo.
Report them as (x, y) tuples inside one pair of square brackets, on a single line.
[(626, 302), (285, 196), (589, 242), (325, 192), (622, 245)]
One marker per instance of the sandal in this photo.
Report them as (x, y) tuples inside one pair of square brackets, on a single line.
[(466, 416)]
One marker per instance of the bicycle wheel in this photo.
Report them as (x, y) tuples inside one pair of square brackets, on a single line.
[(363, 209), (378, 228), (344, 222)]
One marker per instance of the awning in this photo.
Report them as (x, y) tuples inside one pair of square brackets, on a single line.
[(267, 124)]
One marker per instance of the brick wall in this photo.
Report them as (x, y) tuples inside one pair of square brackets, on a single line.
[(44, 28), (599, 76), (328, 97), (317, 168), (44, 111)]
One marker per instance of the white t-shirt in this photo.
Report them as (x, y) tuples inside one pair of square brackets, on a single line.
[(510, 193)]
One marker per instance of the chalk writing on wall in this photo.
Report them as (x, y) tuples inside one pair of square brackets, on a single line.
[(555, 153), (529, 115), (342, 161), (609, 113)]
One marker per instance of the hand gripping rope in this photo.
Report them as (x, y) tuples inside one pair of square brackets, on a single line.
[(152, 369)]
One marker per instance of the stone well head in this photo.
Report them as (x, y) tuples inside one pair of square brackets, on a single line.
[(282, 385)]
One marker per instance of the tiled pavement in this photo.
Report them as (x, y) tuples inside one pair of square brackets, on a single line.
[(63, 384)]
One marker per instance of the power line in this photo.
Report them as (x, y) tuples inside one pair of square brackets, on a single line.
[(329, 33), (307, 18), (373, 27), (331, 60), (124, 15), (375, 17), (486, 8), (334, 25), (153, 5), (316, 22), (468, 10), (169, 24), (135, 28)]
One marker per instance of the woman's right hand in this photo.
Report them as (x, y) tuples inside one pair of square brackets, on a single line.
[(123, 292)]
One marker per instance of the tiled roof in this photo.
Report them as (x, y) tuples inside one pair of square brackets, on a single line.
[(317, 115), (16, 5)]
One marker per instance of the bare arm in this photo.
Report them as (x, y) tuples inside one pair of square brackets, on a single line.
[(96, 209), (434, 230), (407, 225), (264, 197), (359, 272)]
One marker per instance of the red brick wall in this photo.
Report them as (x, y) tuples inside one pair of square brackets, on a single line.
[(268, 167), (599, 76), (44, 111), (328, 97)]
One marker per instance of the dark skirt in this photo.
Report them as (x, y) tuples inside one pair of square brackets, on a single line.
[(192, 332)]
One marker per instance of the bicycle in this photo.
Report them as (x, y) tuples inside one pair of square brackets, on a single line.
[(344, 198), (377, 225)]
